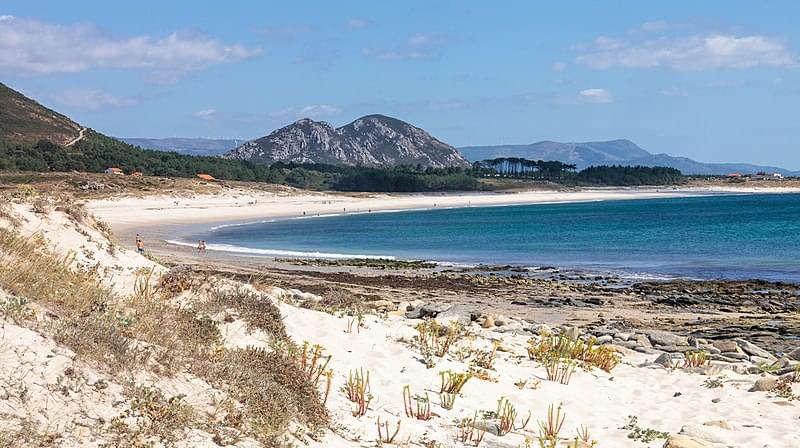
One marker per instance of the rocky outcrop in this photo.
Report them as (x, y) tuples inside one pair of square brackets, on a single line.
[(374, 140)]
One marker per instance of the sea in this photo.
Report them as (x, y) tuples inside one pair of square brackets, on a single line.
[(748, 236)]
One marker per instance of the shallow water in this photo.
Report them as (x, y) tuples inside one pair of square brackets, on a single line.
[(742, 236)]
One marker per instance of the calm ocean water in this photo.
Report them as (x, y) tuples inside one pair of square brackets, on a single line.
[(747, 236)]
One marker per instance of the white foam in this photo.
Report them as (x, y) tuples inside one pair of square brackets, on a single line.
[(280, 253)]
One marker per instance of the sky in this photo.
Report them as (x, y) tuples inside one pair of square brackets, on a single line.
[(717, 80)]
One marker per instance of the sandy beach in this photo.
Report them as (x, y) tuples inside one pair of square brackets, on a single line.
[(231, 205)]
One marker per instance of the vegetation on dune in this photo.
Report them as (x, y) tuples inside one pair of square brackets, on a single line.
[(265, 391)]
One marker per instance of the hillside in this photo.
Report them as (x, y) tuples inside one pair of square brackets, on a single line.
[(190, 146), (23, 120), (614, 152), (373, 140)]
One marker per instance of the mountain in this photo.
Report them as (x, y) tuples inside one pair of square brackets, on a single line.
[(613, 152), (373, 140), (23, 120), (190, 146)]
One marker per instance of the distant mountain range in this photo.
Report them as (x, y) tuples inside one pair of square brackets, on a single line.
[(373, 140), (613, 152), (190, 146)]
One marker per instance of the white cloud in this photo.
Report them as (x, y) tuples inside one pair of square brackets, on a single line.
[(558, 66), (206, 114), (6, 17), (32, 47), (91, 100), (595, 96), (698, 52), (317, 110)]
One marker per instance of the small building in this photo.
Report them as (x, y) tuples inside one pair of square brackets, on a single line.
[(115, 171), (207, 177), (137, 174)]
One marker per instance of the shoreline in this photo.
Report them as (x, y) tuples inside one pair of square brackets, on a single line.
[(238, 207)]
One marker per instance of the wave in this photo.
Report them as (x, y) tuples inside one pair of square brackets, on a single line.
[(281, 253)]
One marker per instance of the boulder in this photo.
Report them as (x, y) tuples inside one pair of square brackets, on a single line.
[(488, 321), (381, 304), (754, 350), (456, 313), (622, 336), (510, 327), (665, 338), (794, 354), (682, 441), (643, 341), (765, 384), (726, 346), (735, 355), (605, 339), (669, 359)]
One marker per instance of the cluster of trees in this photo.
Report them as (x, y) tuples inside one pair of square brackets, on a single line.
[(519, 168), (97, 152), (629, 175), (554, 171)]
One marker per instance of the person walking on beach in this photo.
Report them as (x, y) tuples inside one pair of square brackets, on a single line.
[(140, 245), (203, 246), (199, 245)]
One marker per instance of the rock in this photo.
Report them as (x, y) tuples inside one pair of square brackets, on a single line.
[(488, 321), (456, 313), (660, 337), (726, 346), (752, 349), (510, 327), (668, 359), (682, 441), (540, 329), (735, 355), (710, 349), (404, 306), (433, 309), (716, 400), (643, 341), (572, 333), (794, 354), (790, 377), (622, 336), (757, 360), (722, 358), (303, 297), (490, 427), (606, 339), (381, 304), (765, 384), (416, 313), (500, 321), (675, 348)]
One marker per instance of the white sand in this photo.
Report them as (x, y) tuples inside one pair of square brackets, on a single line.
[(239, 205)]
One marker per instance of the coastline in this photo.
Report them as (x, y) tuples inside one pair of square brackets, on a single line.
[(239, 206)]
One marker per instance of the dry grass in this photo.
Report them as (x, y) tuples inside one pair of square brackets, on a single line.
[(256, 309), (272, 388), (153, 416)]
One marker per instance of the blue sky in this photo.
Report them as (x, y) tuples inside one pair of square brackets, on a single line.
[(712, 80)]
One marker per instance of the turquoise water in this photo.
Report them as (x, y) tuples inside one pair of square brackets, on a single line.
[(744, 236)]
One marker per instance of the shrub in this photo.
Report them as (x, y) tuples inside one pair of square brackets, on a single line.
[(640, 434), (436, 339), (467, 432), (416, 406), (384, 434), (256, 309), (548, 431), (695, 359), (357, 390), (452, 383)]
